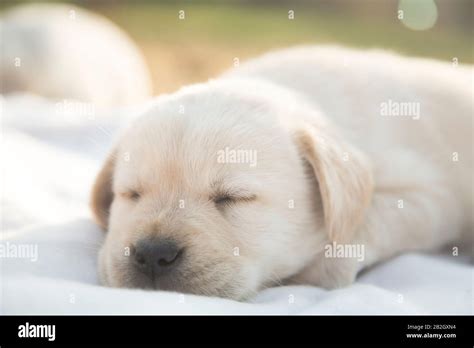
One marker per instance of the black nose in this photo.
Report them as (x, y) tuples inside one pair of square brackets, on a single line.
[(156, 257)]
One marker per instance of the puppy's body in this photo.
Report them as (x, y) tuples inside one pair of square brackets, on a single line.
[(332, 167), (422, 164)]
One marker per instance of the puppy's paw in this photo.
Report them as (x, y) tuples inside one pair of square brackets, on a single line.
[(329, 273)]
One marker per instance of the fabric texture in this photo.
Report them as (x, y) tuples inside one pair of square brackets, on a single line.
[(51, 155)]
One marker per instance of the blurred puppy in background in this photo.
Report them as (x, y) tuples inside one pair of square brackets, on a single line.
[(61, 51)]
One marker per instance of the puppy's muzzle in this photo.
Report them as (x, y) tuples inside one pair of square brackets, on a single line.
[(156, 258)]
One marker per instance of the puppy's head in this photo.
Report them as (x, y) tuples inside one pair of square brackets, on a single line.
[(220, 190)]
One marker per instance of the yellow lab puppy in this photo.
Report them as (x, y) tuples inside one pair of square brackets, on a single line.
[(301, 166)]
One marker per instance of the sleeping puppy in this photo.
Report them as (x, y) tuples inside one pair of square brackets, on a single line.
[(277, 171)]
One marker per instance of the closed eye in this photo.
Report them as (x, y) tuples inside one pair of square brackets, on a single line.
[(131, 195), (223, 199)]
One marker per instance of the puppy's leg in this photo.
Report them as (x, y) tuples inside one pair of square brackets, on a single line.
[(327, 272), (409, 211), (422, 217), (398, 221), (414, 207)]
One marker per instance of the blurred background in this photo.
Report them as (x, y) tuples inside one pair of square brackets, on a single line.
[(205, 40)]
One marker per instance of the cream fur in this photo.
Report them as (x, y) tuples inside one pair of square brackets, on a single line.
[(330, 168)]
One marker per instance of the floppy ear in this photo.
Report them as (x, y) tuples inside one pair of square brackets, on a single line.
[(102, 194), (344, 176)]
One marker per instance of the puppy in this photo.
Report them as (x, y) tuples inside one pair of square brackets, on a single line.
[(257, 178), (61, 51)]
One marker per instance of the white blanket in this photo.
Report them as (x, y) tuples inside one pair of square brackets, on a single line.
[(50, 155)]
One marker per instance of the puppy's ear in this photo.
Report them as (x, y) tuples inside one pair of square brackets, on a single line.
[(102, 194), (344, 176)]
